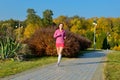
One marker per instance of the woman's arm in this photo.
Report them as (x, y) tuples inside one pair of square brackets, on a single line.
[(64, 35), (56, 34)]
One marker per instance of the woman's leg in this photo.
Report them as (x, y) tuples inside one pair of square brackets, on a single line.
[(60, 49)]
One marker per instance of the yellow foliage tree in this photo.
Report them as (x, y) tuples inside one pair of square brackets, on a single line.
[(30, 29), (62, 19), (76, 25), (74, 29)]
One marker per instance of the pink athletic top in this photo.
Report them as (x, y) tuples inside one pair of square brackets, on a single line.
[(59, 35)]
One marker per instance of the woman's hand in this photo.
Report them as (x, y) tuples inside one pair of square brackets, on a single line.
[(65, 37), (59, 35)]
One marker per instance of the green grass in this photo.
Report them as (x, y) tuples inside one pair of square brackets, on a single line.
[(10, 67), (112, 70)]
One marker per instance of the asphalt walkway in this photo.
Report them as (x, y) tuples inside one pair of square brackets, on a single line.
[(87, 67)]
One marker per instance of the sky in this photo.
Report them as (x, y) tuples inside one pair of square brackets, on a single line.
[(16, 9)]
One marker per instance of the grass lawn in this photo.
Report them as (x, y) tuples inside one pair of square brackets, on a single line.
[(112, 70), (10, 67)]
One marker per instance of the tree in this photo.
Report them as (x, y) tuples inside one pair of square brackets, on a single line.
[(32, 18), (63, 19), (89, 35), (33, 22), (101, 40), (105, 45), (76, 25), (29, 30), (47, 18)]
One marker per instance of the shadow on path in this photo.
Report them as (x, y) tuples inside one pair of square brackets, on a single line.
[(87, 57), (76, 64), (93, 55)]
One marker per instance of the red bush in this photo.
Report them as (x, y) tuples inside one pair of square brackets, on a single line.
[(74, 43), (43, 43)]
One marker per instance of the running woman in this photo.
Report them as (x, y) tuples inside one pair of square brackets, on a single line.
[(60, 36)]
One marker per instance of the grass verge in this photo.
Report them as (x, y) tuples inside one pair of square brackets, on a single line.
[(112, 69), (10, 67)]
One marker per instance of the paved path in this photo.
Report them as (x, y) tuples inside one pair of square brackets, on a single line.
[(87, 67)]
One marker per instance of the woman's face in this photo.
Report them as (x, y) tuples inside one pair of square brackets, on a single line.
[(61, 26)]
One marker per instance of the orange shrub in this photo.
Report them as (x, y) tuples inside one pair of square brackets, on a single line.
[(74, 43), (116, 48), (43, 43)]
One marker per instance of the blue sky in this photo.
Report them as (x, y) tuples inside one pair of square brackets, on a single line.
[(16, 9)]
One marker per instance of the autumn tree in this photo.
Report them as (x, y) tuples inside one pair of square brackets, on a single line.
[(33, 22), (65, 20), (78, 25), (47, 18)]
